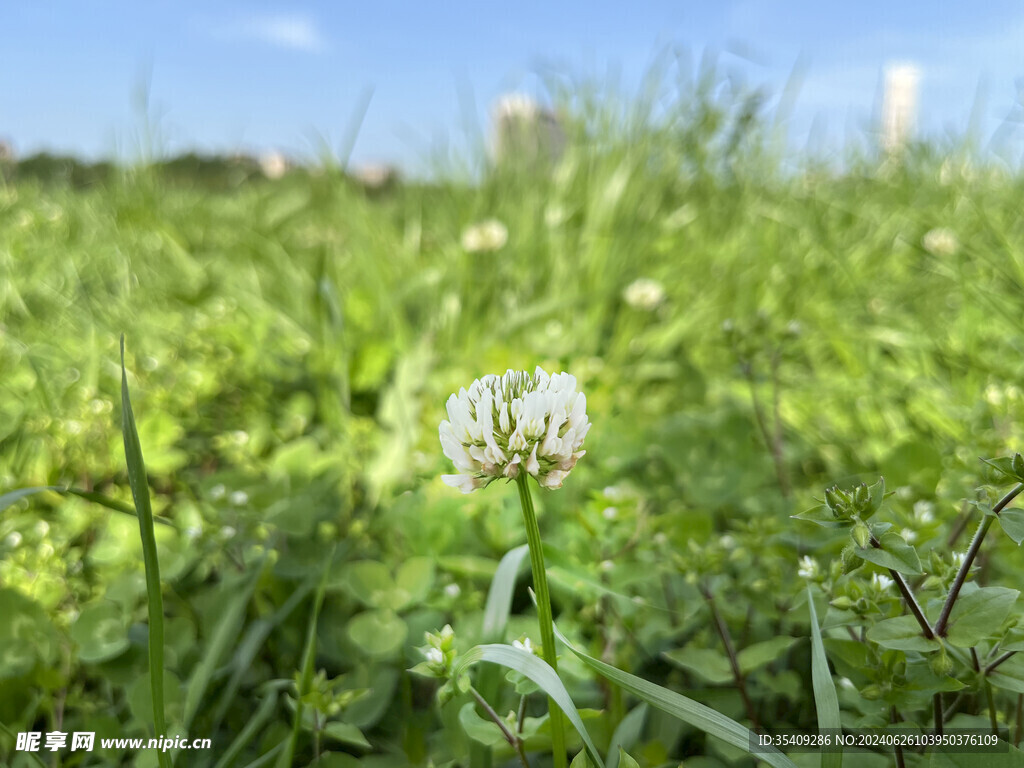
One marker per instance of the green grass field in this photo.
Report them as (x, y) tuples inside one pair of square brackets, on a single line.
[(290, 347)]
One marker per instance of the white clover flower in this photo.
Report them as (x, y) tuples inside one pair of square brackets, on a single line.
[(524, 645), (940, 241), (809, 568), (506, 423), (644, 294), (881, 582), (453, 590), (484, 237)]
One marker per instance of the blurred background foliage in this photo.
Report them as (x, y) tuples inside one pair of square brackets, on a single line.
[(291, 345)]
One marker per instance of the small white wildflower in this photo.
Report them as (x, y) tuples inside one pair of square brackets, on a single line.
[(909, 535), (239, 498), (506, 423), (484, 237), (847, 683), (660, 538), (73, 427), (809, 568), (13, 540), (273, 164), (904, 492), (607, 565), (217, 492), (644, 293), (881, 582), (434, 656), (240, 437), (609, 513), (940, 241), (228, 532), (728, 541), (98, 406), (193, 532), (41, 528), (994, 395), (614, 493), (924, 512), (524, 645), (453, 590)]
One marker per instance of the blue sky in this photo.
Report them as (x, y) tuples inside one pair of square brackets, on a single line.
[(226, 76)]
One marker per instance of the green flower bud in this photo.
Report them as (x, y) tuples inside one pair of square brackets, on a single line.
[(871, 692), (851, 560), (940, 663), (861, 534), (843, 603), (834, 502), (861, 497), (1018, 466)]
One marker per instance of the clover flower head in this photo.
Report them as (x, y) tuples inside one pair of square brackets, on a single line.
[(504, 425), (484, 237), (940, 241), (809, 568), (644, 294)]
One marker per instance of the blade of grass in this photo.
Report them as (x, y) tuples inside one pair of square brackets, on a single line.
[(249, 732), (10, 734), (224, 636), (287, 757), (537, 670), (825, 699), (627, 734), (140, 494), (97, 498), (677, 705), (499, 596)]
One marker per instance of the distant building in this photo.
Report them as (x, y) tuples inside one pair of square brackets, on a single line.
[(524, 132), (899, 106)]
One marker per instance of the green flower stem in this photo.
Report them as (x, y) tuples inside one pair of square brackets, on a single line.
[(547, 632), (972, 553), (514, 741), (908, 596)]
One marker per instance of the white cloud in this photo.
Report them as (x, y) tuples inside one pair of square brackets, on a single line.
[(297, 32)]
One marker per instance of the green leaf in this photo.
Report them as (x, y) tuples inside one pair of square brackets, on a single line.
[(627, 733), (823, 516), (679, 706), (499, 596), (757, 655), (979, 614), (826, 702), (1004, 466), (378, 633), (581, 760), (708, 664), (144, 511), (901, 634), (1012, 522), (895, 553), (415, 577), (537, 670), (371, 584), (100, 632), (346, 733), (1009, 675), (625, 761), (477, 728)]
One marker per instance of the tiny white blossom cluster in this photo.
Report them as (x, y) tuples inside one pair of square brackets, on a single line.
[(504, 424), (644, 293), (484, 237)]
